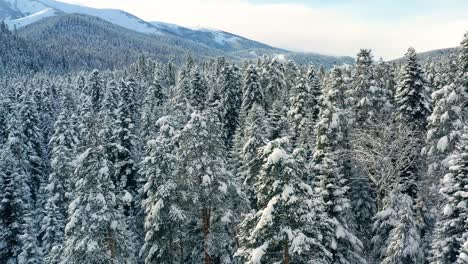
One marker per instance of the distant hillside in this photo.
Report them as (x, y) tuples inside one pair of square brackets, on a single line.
[(435, 55), (90, 42)]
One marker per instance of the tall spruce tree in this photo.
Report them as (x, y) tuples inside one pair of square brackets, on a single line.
[(230, 82), (332, 185), (451, 231), (290, 223), (164, 206), (202, 155), (96, 230), (59, 190), (18, 239)]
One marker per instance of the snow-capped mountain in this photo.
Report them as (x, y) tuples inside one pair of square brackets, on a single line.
[(21, 13), (213, 38), (24, 13)]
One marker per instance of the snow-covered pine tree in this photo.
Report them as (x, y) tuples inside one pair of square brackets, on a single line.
[(33, 138), (198, 91), (164, 206), (332, 186), (30, 251), (254, 137), (315, 92), (451, 230), (445, 126), (153, 109), (252, 91), (17, 236), (300, 117), (202, 159), (412, 108), (96, 231), (277, 124), (125, 169), (230, 88), (290, 223), (275, 83), (58, 187), (403, 242), (411, 98)]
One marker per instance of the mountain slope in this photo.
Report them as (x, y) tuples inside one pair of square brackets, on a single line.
[(214, 38), (33, 7), (90, 42)]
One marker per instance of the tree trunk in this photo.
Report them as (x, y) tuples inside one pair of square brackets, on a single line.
[(111, 244), (206, 232), (286, 251)]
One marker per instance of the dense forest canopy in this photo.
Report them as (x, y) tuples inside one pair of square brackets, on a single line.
[(221, 161)]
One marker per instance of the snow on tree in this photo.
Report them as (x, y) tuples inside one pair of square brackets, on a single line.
[(153, 109), (315, 92), (252, 91), (59, 186), (332, 187), (411, 98), (290, 223), (125, 170), (33, 137), (275, 83), (451, 230), (96, 230), (203, 165), (198, 93), (249, 163), (300, 117), (445, 126), (164, 206), (397, 237), (17, 239), (277, 123), (231, 101)]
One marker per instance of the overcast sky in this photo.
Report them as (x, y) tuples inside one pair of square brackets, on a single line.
[(336, 27)]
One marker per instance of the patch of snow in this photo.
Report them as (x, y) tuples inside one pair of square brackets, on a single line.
[(442, 144), (448, 210), (257, 254), (266, 216), (277, 155), (24, 21)]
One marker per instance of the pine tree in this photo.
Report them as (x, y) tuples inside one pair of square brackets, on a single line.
[(153, 109), (96, 231), (315, 92), (125, 171), (253, 138), (300, 115), (203, 165), (275, 83), (164, 208), (451, 231), (413, 109), (59, 188), (198, 93), (34, 151), (17, 241), (404, 238), (332, 187), (412, 101), (290, 222), (445, 127), (230, 83), (252, 91)]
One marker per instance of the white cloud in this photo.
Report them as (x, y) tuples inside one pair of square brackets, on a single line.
[(299, 27)]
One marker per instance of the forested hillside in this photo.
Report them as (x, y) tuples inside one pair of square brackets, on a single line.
[(215, 161)]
